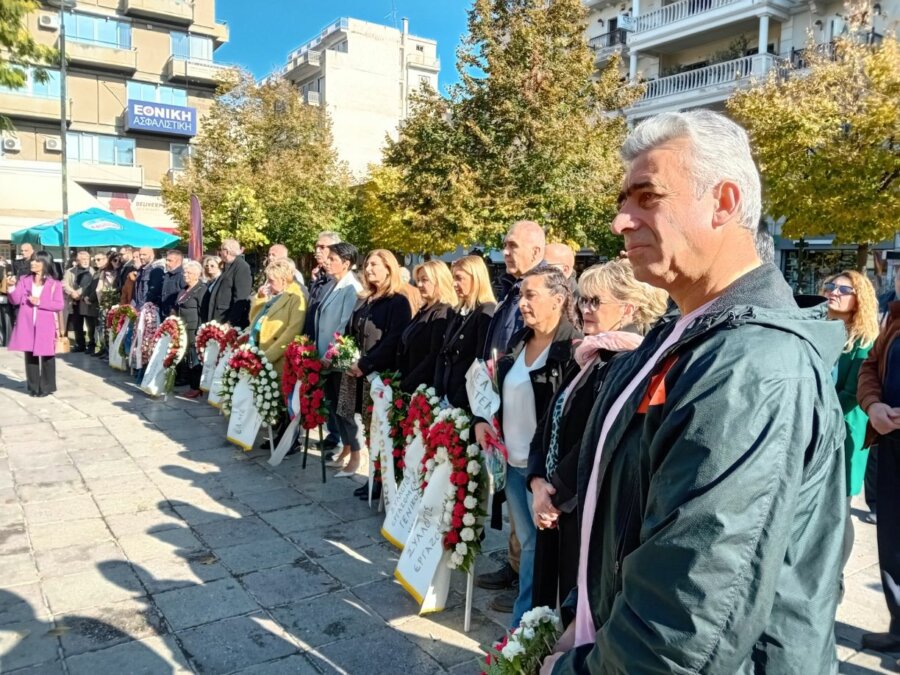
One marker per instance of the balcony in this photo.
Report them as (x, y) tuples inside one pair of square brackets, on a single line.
[(606, 45), (703, 86), (799, 58), (312, 98), (341, 25), (101, 55), (303, 65), (107, 175), (219, 32), (194, 71), (692, 20), (423, 62), (24, 106), (175, 11)]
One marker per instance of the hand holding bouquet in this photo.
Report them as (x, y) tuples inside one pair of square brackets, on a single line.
[(527, 646), (342, 353)]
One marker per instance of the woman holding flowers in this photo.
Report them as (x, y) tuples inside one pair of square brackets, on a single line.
[(188, 307), (466, 332), (277, 312), (529, 376), (423, 337), (376, 325), (616, 310)]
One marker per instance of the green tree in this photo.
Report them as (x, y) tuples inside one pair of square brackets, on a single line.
[(827, 140), (263, 168), (18, 48)]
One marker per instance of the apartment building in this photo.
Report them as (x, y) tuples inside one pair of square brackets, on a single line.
[(695, 53), (141, 75), (363, 73)]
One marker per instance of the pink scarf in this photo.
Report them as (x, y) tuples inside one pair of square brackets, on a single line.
[(613, 341)]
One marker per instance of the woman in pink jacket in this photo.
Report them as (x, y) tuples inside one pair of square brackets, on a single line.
[(40, 298)]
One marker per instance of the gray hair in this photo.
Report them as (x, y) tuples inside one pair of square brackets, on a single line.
[(333, 236), (720, 150), (192, 265), (765, 243), (232, 246)]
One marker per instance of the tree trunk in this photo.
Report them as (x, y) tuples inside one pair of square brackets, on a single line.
[(862, 257)]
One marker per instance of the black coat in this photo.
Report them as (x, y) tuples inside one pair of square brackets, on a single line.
[(463, 343), (420, 344), (376, 326), (148, 286), (83, 280), (319, 289), (172, 285), (229, 297), (188, 308)]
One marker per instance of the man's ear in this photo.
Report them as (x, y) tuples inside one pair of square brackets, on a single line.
[(728, 200)]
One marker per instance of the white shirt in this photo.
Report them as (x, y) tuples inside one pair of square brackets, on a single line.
[(35, 292), (519, 417)]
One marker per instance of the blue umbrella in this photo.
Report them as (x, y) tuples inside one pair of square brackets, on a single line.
[(93, 228)]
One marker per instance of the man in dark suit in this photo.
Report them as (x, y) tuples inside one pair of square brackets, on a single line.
[(173, 282), (229, 300), (83, 310), (148, 287)]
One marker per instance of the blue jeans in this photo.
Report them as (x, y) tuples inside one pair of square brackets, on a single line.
[(519, 499)]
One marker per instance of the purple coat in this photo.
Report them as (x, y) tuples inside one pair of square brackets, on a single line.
[(37, 337)]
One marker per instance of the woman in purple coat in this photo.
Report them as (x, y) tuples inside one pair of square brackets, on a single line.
[(40, 298)]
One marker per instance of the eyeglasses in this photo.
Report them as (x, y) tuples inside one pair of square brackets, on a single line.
[(593, 304), (831, 287)]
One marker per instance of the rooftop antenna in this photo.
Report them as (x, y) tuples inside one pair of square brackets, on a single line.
[(393, 13)]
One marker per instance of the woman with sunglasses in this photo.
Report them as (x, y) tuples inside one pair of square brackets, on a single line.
[(851, 299), (616, 310)]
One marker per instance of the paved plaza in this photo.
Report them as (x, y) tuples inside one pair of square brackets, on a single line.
[(133, 539)]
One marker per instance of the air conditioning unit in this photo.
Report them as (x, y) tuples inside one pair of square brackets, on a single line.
[(48, 22), (52, 145), (11, 144)]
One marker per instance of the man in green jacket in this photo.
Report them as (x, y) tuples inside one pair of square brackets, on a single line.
[(711, 491)]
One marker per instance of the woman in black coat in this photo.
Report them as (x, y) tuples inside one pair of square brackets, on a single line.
[(376, 324), (467, 330), (616, 310), (422, 339), (188, 307)]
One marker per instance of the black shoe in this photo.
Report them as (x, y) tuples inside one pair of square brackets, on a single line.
[(504, 602), (362, 490), (505, 577), (376, 492), (871, 518), (33, 393), (881, 642), (91, 350), (76, 349)]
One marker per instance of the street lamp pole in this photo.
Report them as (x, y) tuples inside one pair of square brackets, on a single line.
[(63, 130)]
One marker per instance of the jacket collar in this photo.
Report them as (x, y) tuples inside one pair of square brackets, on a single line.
[(561, 347)]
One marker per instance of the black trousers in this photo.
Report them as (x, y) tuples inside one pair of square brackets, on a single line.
[(888, 527), (79, 321), (556, 561), (40, 373), (871, 478)]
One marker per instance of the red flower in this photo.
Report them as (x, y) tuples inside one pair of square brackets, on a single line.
[(398, 404), (313, 378), (460, 494), (452, 537), (456, 522)]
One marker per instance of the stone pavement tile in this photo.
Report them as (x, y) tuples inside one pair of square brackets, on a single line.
[(81, 422), (13, 539), (321, 542), (99, 454), (18, 568), (8, 497), (379, 652), (139, 657), (35, 460), (440, 634), (207, 509), (50, 668), (319, 492), (221, 533), (48, 474), (53, 535), (45, 492), (142, 498), (868, 663), (11, 514), (196, 605), (176, 571), (110, 469), (364, 566), (288, 583), (232, 644), (149, 545), (158, 519), (102, 627), (73, 508), (300, 518), (353, 508), (111, 582), (259, 555), (59, 562), (129, 483), (243, 483), (274, 500), (296, 664), (27, 644), (33, 429), (20, 604), (389, 599), (90, 442), (328, 618)]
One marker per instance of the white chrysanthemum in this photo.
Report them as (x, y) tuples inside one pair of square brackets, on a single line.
[(473, 467), (528, 633), (470, 502), (472, 450), (464, 435), (462, 548), (512, 649), (441, 455), (429, 464), (468, 520), (472, 486), (467, 534), (455, 559)]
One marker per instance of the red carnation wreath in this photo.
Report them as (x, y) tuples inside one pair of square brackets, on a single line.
[(302, 364), (396, 418), (225, 335)]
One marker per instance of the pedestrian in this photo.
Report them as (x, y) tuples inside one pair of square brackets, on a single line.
[(422, 339), (84, 311), (562, 257), (616, 311), (126, 265), (148, 285), (229, 299), (892, 294), (878, 393), (527, 379), (173, 282), (319, 275), (280, 252), (39, 297), (277, 313), (7, 277), (711, 468), (187, 308), (22, 266)]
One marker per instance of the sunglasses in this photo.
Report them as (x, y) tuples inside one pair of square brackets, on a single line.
[(831, 287), (593, 304)]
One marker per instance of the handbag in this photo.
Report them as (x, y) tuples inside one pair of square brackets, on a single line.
[(62, 345)]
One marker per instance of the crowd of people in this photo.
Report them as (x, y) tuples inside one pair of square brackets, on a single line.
[(682, 432)]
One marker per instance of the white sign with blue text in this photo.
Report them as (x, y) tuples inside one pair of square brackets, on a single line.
[(161, 118)]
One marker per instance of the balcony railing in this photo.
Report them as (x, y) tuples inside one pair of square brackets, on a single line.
[(340, 24), (610, 39), (719, 74), (424, 61), (676, 12), (182, 69), (799, 58), (311, 98), (180, 11), (103, 55)]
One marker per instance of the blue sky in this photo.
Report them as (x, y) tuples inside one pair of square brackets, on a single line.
[(264, 31)]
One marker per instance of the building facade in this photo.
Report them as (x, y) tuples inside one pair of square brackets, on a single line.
[(363, 73), (141, 75), (696, 53)]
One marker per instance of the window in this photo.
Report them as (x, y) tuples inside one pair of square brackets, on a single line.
[(99, 30), (340, 47), (178, 154), (156, 93), (97, 149), (32, 87), (192, 47)]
